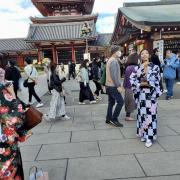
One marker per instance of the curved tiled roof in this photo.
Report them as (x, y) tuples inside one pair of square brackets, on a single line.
[(102, 40), (15, 44), (59, 31), (153, 15)]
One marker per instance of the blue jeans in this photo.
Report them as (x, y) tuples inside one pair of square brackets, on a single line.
[(178, 69), (114, 96), (169, 87)]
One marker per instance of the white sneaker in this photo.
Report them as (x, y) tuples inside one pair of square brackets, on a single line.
[(93, 102), (82, 103), (39, 105), (143, 139), (98, 98), (66, 117), (178, 83), (165, 91), (148, 143), (30, 103)]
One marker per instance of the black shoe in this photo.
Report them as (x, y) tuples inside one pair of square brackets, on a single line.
[(116, 123), (168, 98), (107, 121), (102, 92)]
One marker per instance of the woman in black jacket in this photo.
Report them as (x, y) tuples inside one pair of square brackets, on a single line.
[(57, 104), (96, 69), (13, 74)]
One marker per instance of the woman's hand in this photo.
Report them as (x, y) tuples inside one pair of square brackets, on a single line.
[(120, 89), (144, 83), (10, 89)]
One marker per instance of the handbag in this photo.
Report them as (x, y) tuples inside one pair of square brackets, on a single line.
[(25, 83), (78, 77), (32, 118), (37, 174)]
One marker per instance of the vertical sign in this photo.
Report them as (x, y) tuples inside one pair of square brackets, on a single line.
[(160, 46)]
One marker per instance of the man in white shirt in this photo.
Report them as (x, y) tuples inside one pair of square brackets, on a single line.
[(32, 74)]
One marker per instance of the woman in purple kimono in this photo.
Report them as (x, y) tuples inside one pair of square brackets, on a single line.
[(145, 83)]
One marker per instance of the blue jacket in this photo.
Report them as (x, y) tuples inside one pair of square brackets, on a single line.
[(169, 66)]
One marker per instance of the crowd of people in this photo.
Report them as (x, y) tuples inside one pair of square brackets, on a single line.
[(139, 89)]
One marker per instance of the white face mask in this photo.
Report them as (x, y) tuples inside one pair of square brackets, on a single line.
[(118, 54)]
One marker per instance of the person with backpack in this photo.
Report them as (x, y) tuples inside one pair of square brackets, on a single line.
[(170, 65)]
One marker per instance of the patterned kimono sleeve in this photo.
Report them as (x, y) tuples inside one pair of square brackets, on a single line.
[(154, 81), (135, 82)]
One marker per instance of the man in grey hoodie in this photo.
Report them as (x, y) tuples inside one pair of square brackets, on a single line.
[(113, 87)]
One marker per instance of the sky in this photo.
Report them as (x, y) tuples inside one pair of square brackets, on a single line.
[(14, 16)]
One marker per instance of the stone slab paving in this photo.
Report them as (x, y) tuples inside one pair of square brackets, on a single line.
[(70, 150), (95, 135), (171, 177), (162, 163), (126, 146), (29, 153), (107, 167), (86, 148), (49, 138)]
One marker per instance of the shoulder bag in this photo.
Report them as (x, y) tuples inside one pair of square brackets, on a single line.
[(25, 83)]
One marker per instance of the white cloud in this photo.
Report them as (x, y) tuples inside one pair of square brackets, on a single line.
[(108, 6), (106, 24), (15, 19)]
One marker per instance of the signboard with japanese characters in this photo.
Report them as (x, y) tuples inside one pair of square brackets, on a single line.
[(160, 46)]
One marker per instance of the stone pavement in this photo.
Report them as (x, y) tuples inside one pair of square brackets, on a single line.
[(85, 148)]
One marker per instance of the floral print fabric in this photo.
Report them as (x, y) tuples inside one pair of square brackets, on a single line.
[(11, 132)]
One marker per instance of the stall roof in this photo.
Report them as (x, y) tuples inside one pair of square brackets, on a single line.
[(153, 15)]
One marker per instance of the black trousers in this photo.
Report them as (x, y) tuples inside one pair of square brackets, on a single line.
[(32, 92), (71, 73), (98, 87), (48, 85), (15, 90), (85, 93)]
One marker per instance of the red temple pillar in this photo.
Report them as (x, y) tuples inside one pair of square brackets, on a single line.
[(54, 54), (73, 53), (39, 55)]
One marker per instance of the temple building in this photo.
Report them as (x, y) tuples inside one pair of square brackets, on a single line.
[(58, 33), (148, 25)]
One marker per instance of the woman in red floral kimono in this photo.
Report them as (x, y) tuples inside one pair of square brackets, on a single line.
[(11, 132)]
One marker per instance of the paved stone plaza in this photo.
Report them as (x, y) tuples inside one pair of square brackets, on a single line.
[(85, 148)]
